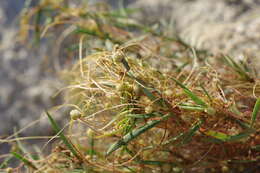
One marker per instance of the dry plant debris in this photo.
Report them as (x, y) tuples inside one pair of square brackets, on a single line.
[(143, 101)]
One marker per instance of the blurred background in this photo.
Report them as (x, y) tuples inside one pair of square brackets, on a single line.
[(27, 86)]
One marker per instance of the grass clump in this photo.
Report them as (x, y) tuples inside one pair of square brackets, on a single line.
[(147, 102)]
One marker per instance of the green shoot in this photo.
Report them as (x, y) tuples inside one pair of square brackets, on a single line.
[(133, 134), (24, 160), (66, 141), (255, 112)]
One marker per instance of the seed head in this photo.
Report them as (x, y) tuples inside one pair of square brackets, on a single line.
[(149, 109), (118, 56), (75, 114), (168, 92)]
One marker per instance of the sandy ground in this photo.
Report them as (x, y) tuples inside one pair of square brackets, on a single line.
[(223, 26), (25, 88)]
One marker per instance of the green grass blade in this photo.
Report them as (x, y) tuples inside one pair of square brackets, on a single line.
[(212, 140), (75, 47), (57, 129), (86, 31), (243, 161), (256, 147), (255, 112), (96, 33), (228, 138), (218, 135), (117, 13), (133, 134), (21, 147), (142, 86), (92, 144), (37, 26), (242, 124), (129, 169), (191, 107), (154, 162), (191, 133), (240, 135), (140, 116), (126, 65), (234, 109), (206, 92), (179, 69), (231, 64), (175, 138), (186, 137), (193, 96), (146, 91), (5, 162), (148, 94), (24, 160), (236, 67)]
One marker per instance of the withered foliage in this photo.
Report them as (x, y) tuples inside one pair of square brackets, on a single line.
[(144, 101)]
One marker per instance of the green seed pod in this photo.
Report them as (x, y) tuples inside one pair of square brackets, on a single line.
[(149, 109), (51, 170), (121, 87), (176, 169), (210, 111), (241, 168), (145, 100), (224, 169), (90, 133), (137, 89), (124, 87), (168, 92), (118, 56), (75, 114), (166, 168), (54, 158), (9, 170)]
